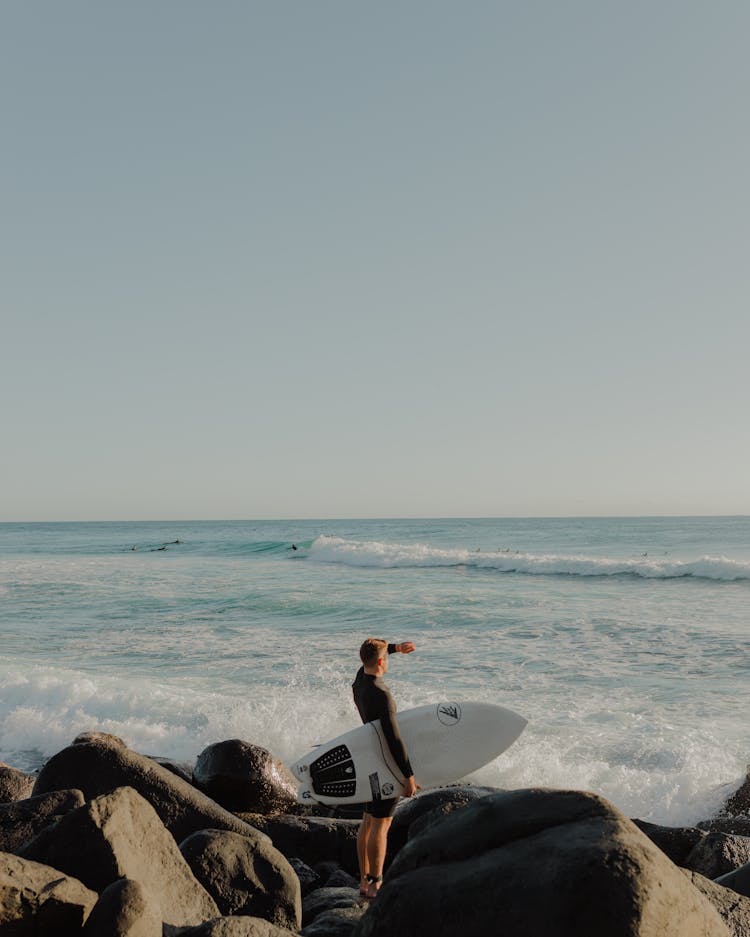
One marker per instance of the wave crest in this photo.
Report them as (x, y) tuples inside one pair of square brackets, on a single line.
[(396, 555)]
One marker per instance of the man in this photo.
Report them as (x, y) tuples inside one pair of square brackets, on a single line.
[(374, 701)]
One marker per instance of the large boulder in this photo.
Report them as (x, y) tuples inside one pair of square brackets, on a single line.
[(119, 835), (537, 863), (738, 802), (23, 819), (97, 768), (245, 876), (14, 784), (733, 908), (314, 839), (234, 927), (245, 778), (36, 899), (125, 909), (427, 807)]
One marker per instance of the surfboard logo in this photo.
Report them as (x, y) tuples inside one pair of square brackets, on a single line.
[(449, 713), (387, 790)]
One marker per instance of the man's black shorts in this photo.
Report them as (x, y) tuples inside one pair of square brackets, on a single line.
[(380, 809)]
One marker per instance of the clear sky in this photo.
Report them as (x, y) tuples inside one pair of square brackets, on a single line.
[(347, 259)]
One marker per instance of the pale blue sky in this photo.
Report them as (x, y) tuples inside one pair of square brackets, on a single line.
[(325, 259)]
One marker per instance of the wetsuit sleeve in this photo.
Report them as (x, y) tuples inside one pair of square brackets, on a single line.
[(389, 725), (391, 648)]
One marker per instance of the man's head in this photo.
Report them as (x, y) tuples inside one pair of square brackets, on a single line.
[(374, 655)]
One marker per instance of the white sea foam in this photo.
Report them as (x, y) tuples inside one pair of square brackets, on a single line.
[(396, 555), (665, 776)]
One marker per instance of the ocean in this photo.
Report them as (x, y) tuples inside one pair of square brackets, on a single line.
[(622, 641)]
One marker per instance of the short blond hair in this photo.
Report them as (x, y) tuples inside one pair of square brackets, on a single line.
[(372, 650)]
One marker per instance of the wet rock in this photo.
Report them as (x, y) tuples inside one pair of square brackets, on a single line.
[(119, 835), (245, 778), (675, 842), (36, 899), (245, 875), (23, 819), (97, 769)]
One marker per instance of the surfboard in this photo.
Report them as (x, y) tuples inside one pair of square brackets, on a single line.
[(445, 742)]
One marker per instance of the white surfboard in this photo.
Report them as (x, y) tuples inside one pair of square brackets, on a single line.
[(445, 742)]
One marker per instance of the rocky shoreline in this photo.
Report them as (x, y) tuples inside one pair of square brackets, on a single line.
[(107, 842)]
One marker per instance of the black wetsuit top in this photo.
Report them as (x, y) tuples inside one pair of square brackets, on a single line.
[(374, 701)]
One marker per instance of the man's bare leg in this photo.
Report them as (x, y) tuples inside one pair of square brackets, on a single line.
[(362, 836), (377, 841)]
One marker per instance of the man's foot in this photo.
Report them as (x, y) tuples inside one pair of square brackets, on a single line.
[(373, 885)]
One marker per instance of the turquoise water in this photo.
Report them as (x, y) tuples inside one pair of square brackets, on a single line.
[(624, 641)]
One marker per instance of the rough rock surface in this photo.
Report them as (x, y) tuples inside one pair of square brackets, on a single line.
[(718, 853), (733, 908), (234, 927), (340, 922), (314, 839), (245, 778), (675, 842), (97, 769), (428, 807), (308, 878), (327, 899), (125, 909), (119, 835), (14, 784), (533, 863), (738, 802), (245, 876), (94, 736), (739, 826), (23, 819), (36, 899)]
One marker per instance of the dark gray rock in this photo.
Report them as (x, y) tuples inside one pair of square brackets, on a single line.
[(327, 899), (738, 802), (36, 899), (734, 909), (414, 812), (315, 839), (535, 863), (718, 853), (97, 768), (738, 826), (119, 835), (340, 922), (675, 842), (233, 927), (22, 820), (245, 875), (14, 784), (125, 909), (308, 878), (182, 769), (341, 879), (245, 778)]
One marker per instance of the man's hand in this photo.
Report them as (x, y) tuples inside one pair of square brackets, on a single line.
[(410, 787), (405, 648)]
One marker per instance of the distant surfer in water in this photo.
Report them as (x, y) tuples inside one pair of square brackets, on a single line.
[(374, 701)]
